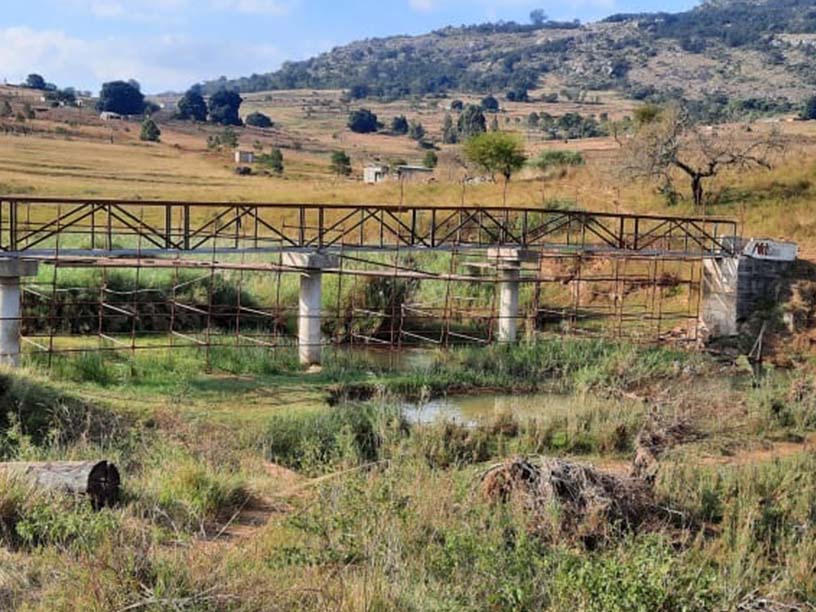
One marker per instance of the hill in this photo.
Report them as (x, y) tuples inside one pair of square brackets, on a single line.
[(743, 49)]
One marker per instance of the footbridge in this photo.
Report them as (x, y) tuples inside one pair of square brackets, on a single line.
[(505, 248)]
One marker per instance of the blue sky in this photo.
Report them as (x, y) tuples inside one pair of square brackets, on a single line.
[(170, 44)]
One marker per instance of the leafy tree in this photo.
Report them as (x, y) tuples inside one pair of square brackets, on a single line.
[(121, 97), (259, 120), (6, 111), (399, 125), (358, 91), (229, 137), (538, 17), (35, 81), (431, 159), (362, 121), (519, 94), (340, 163), (449, 133), (497, 153), (809, 110), (648, 113), (457, 105), (192, 107), (416, 131), (150, 131), (274, 160), (490, 104), (224, 106), (471, 122)]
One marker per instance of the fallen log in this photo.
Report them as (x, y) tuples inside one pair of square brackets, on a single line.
[(99, 480)]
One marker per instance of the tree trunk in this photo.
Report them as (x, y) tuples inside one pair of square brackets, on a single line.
[(99, 480), (697, 189)]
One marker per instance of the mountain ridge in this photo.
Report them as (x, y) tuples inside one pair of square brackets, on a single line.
[(738, 48)]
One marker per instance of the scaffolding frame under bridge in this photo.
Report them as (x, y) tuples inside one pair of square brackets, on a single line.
[(490, 274)]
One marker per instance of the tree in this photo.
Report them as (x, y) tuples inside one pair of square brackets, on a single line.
[(274, 160), (35, 81), (494, 124), (224, 106), (340, 163), (490, 104), (362, 121), (497, 152), (416, 131), (809, 110), (150, 131), (122, 98), (449, 135), (259, 120), (457, 105), (192, 107), (471, 122), (7, 110), (399, 125), (431, 159), (554, 160), (673, 145), (229, 137), (538, 17)]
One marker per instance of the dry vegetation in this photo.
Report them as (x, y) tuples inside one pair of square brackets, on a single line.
[(246, 491)]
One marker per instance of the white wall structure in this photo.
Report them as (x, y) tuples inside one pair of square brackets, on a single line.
[(11, 270)]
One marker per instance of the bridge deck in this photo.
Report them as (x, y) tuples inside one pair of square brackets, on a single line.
[(46, 227)]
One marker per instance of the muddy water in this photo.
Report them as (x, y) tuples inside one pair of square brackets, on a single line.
[(471, 410)]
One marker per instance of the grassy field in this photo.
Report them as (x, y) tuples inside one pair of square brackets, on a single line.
[(251, 485)]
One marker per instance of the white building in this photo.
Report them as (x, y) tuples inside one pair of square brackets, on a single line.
[(374, 174), (244, 157)]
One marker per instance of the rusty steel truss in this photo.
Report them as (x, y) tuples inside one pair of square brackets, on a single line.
[(41, 225), (627, 276)]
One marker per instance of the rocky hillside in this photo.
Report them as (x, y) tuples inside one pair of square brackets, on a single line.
[(744, 49)]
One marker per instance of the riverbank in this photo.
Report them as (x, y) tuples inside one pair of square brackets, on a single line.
[(255, 486)]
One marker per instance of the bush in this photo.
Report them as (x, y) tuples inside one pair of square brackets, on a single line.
[(150, 131), (809, 109), (340, 163), (259, 120), (362, 121)]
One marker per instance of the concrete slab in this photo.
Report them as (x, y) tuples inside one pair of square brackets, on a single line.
[(11, 267), (513, 254), (311, 261)]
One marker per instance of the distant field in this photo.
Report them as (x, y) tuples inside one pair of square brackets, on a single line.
[(73, 153)]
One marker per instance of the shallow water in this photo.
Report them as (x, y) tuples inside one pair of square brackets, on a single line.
[(471, 410)]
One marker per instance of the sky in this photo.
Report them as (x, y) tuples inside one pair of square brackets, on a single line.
[(171, 44)]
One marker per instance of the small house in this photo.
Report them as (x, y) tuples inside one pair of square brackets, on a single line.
[(374, 174), (244, 157), (110, 116), (413, 173)]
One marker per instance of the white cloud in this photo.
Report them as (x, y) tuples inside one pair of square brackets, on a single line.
[(159, 62), (424, 6), (146, 10)]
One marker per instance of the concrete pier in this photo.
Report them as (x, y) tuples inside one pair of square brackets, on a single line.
[(310, 339), (733, 287), (11, 270), (509, 262)]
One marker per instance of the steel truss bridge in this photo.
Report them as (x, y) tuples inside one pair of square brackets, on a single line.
[(595, 273), (45, 226)]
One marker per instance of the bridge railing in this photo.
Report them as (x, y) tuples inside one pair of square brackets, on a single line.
[(31, 225)]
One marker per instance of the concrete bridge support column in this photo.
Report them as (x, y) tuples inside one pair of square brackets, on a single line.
[(509, 262), (734, 287), (310, 339), (11, 270)]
